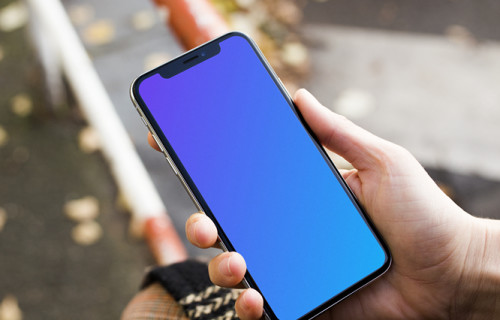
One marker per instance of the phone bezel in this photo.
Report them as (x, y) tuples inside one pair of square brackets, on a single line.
[(177, 66)]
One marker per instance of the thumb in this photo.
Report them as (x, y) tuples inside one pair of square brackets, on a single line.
[(358, 146)]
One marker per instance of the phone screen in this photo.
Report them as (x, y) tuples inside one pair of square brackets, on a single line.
[(256, 170)]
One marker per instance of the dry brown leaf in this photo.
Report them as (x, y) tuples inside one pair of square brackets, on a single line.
[(4, 136), (243, 23), (21, 105), (81, 14), (245, 4), (144, 20), (447, 189), (88, 140), (354, 103), (294, 54), (460, 35), (155, 59), (122, 203), (9, 309), (99, 33), (13, 16), (136, 228), (3, 220), (288, 12), (87, 233), (339, 161), (83, 209)]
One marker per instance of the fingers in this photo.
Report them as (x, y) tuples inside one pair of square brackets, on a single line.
[(152, 142), (201, 231), (249, 305), (340, 135), (227, 269)]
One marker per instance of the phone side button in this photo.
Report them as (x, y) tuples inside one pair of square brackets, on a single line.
[(158, 143), (221, 244), (172, 165)]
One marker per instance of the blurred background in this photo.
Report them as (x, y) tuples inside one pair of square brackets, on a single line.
[(77, 207)]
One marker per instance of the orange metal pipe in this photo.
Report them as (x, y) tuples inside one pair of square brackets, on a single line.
[(163, 240), (193, 21)]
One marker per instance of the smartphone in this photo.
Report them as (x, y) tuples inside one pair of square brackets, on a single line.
[(240, 147)]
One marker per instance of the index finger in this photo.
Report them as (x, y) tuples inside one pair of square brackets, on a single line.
[(201, 231)]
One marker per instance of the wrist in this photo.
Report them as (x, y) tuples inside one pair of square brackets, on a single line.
[(478, 292)]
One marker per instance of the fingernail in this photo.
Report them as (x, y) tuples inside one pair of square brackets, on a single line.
[(249, 299), (297, 92), (244, 299), (225, 268)]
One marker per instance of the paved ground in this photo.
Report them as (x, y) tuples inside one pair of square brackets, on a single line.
[(436, 97), (41, 167), (423, 74), (435, 94), (409, 16)]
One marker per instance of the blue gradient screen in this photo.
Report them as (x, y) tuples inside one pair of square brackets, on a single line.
[(263, 178)]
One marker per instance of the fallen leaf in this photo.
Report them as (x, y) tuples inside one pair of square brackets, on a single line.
[(460, 35), (354, 103), (88, 140), (9, 309), (288, 12), (81, 14), (136, 228), (243, 23), (21, 105), (99, 33), (155, 59), (163, 13), (13, 16), (447, 189), (245, 4), (122, 202), (83, 209), (339, 161), (4, 136), (388, 13), (87, 233), (3, 220), (294, 54), (144, 20)]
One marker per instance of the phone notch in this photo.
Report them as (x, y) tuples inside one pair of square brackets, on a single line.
[(189, 60)]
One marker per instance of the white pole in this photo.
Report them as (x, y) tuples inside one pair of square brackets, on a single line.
[(126, 166)]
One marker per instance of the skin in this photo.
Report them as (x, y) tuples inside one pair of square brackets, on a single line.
[(445, 261)]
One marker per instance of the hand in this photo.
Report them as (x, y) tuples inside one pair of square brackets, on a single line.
[(435, 244)]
